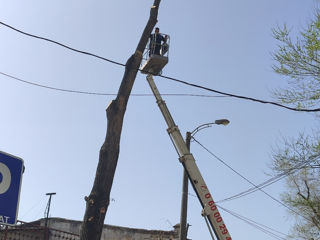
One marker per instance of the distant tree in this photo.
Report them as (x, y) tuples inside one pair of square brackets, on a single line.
[(300, 61), (300, 158)]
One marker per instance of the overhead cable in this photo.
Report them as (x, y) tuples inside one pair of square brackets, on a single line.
[(105, 94), (274, 179), (261, 227), (62, 45), (247, 180), (267, 230), (242, 97), (166, 77)]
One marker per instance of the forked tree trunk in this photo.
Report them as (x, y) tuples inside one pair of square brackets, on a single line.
[(98, 201)]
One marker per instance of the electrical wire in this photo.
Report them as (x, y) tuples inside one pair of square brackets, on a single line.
[(62, 45), (272, 180), (105, 94), (242, 97), (166, 77), (270, 231), (254, 189), (32, 208), (261, 227), (247, 180), (54, 88)]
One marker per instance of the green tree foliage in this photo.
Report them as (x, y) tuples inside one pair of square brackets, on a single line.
[(301, 158), (299, 60)]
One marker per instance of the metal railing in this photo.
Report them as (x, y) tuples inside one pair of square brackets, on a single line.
[(154, 48)]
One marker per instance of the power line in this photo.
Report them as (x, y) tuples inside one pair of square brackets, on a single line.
[(166, 77), (31, 208), (272, 180), (254, 189), (54, 88), (62, 45), (261, 227), (247, 180), (270, 231), (242, 97), (104, 94)]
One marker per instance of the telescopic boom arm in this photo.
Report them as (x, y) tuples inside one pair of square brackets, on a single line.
[(210, 209)]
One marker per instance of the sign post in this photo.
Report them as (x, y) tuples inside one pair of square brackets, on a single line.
[(11, 169)]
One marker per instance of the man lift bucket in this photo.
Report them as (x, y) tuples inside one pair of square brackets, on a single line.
[(156, 55)]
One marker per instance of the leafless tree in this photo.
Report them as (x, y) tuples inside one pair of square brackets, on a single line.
[(98, 201)]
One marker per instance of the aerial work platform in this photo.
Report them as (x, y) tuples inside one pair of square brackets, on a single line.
[(154, 64), (155, 57)]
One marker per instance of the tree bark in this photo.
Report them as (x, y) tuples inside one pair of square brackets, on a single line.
[(98, 201)]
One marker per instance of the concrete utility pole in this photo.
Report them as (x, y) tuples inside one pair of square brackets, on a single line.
[(184, 198), (98, 201)]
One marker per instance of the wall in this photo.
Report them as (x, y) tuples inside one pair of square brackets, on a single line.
[(114, 232)]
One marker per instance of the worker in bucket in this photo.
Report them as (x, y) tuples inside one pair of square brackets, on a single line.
[(156, 40)]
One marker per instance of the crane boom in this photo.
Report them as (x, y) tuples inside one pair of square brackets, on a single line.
[(210, 209)]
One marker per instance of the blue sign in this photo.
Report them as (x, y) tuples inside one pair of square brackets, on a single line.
[(11, 169)]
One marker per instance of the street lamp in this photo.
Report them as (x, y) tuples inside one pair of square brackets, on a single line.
[(184, 198)]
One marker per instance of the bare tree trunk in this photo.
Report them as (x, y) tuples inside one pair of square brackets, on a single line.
[(98, 201)]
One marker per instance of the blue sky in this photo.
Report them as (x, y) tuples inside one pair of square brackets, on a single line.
[(224, 45)]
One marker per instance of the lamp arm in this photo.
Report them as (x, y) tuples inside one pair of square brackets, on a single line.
[(202, 126)]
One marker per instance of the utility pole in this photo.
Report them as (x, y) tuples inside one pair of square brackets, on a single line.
[(46, 212), (184, 198)]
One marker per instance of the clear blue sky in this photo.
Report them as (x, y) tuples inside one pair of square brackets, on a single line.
[(224, 45)]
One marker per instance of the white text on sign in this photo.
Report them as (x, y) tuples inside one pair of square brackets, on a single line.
[(4, 219)]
